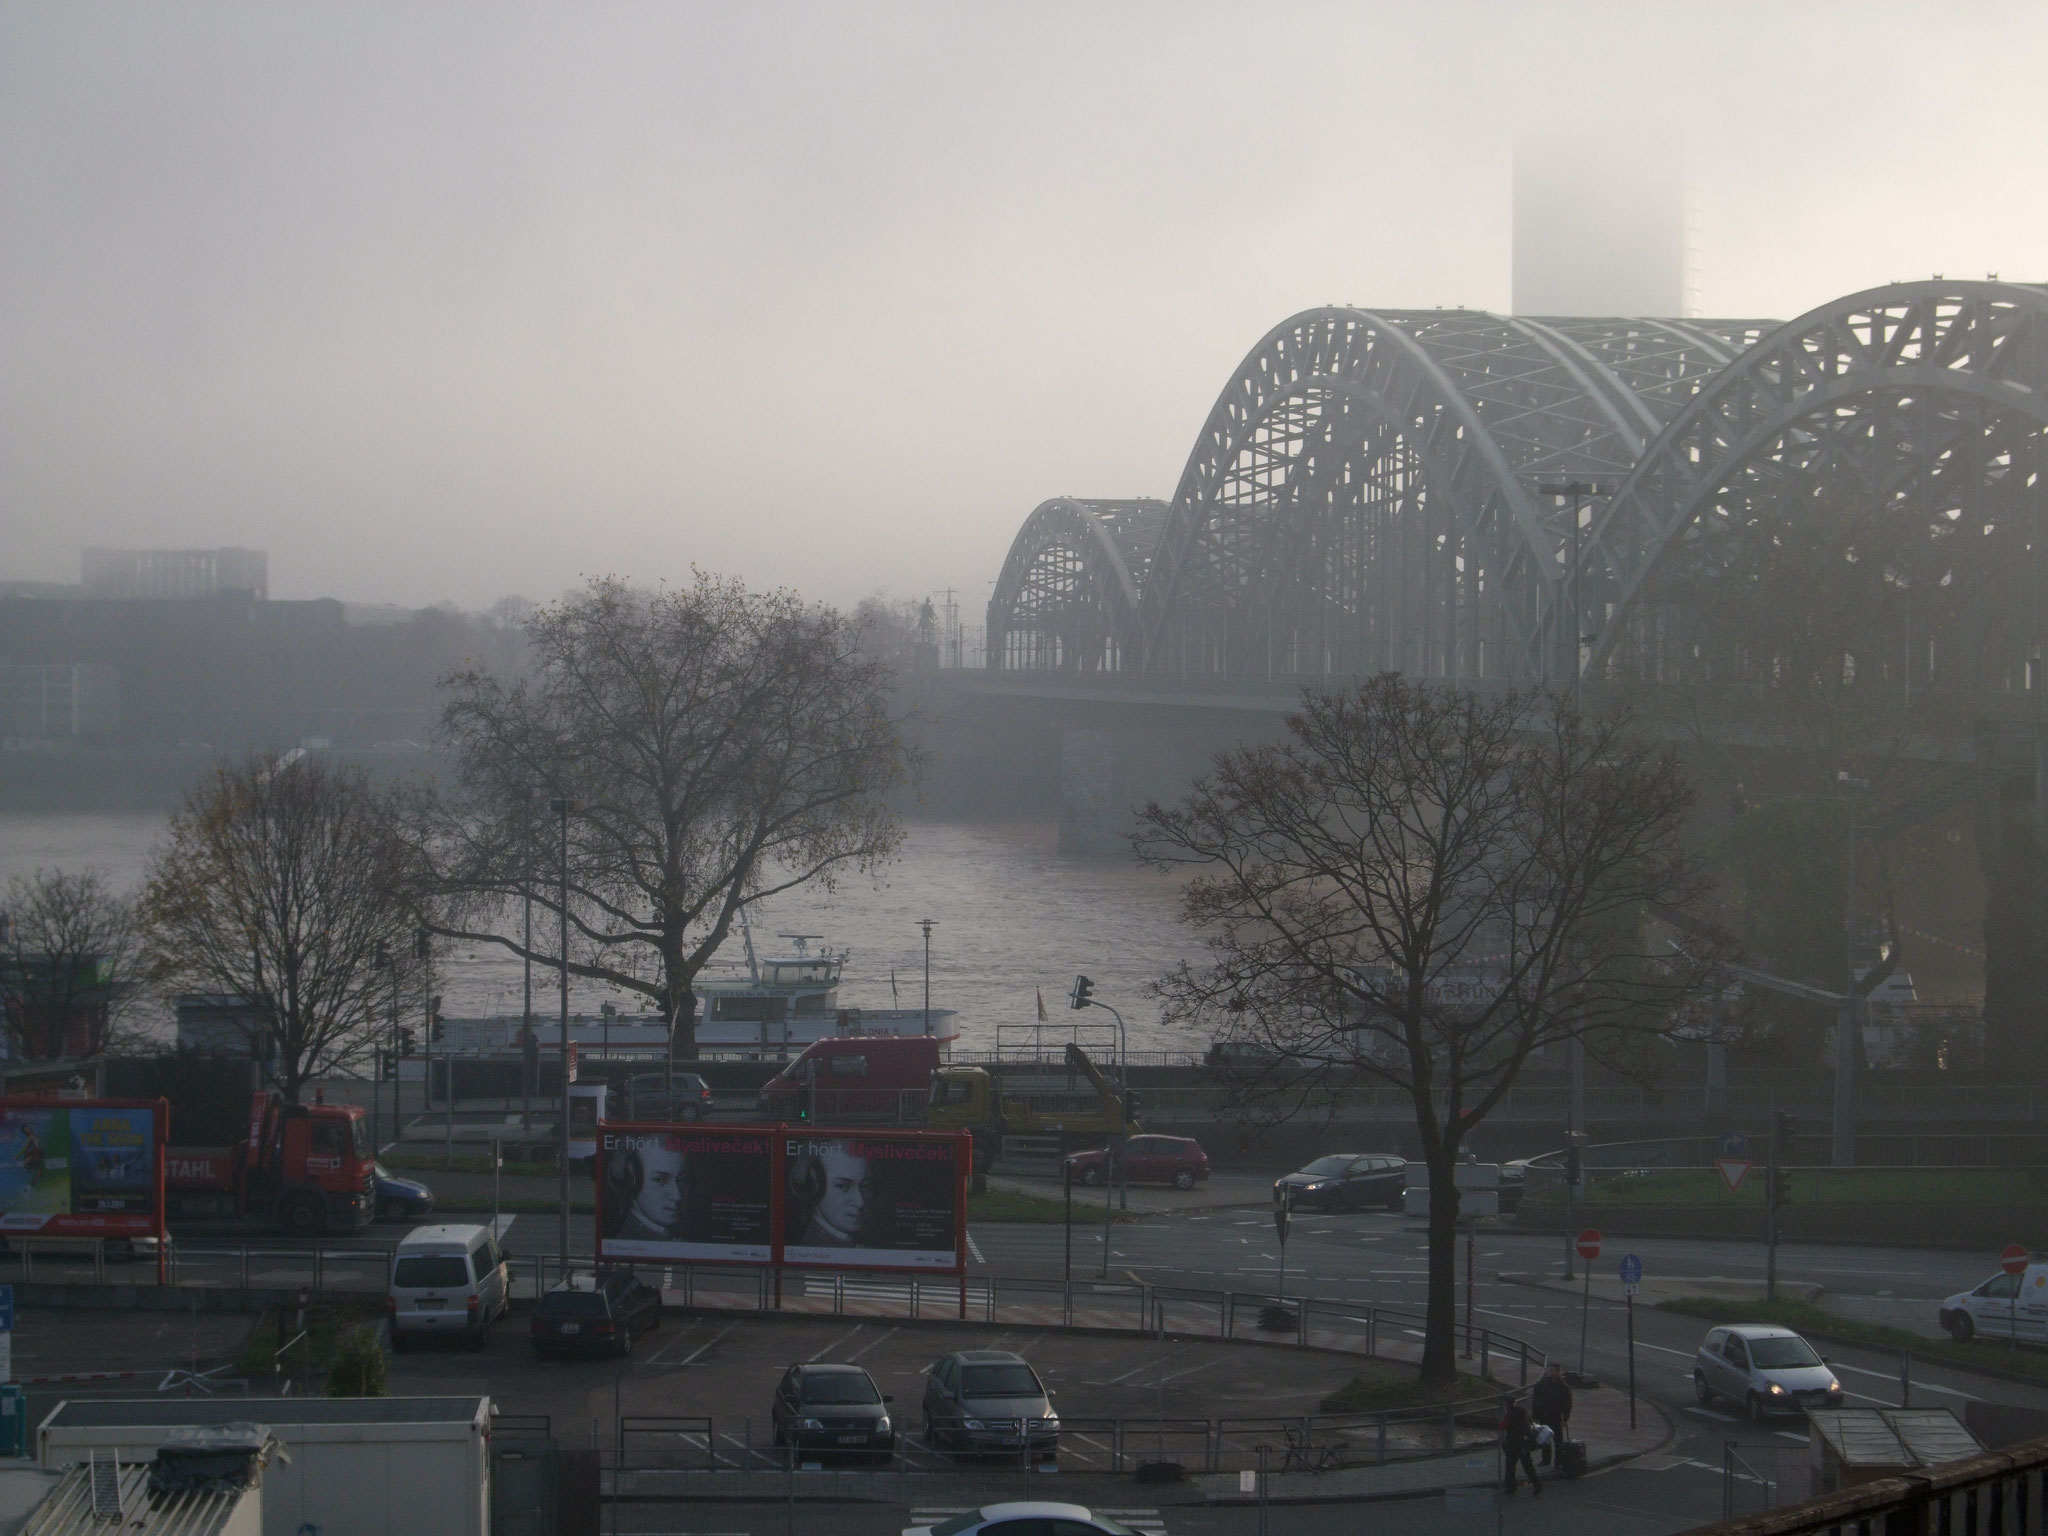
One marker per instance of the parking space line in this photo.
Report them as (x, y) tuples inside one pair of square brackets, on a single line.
[(974, 1248), (871, 1343), (693, 1354), (655, 1358), (858, 1329)]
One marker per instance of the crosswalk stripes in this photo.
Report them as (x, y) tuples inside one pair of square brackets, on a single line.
[(1146, 1522)]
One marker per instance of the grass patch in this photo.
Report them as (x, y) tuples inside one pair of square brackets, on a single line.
[(328, 1323), (1384, 1388), (1019, 1205), (1948, 1187), (1817, 1322)]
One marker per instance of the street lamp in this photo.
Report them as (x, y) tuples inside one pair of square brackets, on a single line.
[(561, 805), (927, 924), (1578, 490)]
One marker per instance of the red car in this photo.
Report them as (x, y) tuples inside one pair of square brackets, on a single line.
[(1176, 1160)]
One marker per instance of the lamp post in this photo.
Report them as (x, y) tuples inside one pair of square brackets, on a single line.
[(529, 1056), (927, 924), (561, 805), (1842, 1153), (383, 962)]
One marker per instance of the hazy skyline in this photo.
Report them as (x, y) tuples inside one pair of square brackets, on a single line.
[(447, 302)]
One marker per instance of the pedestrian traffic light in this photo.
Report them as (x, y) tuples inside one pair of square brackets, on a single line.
[(1082, 993), (803, 1103)]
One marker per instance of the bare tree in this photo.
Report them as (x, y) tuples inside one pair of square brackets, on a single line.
[(1430, 887), (720, 745), (289, 883), (68, 968)]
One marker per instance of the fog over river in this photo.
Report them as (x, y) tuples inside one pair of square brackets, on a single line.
[(1013, 915)]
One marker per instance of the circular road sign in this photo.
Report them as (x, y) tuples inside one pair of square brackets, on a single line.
[(2013, 1260), (1631, 1269), (1589, 1243)]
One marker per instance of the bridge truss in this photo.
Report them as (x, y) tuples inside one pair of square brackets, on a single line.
[(1366, 495)]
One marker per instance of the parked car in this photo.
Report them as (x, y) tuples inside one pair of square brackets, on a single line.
[(835, 1408), (1767, 1370), (597, 1315), (446, 1279), (647, 1098), (1514, 1184), (1346, 1181), (989, 1400), (1176, 1160), (1035, 1518), (400, 1199), (2003, 1307)]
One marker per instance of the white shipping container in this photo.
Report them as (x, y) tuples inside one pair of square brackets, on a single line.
[(369, 1466)]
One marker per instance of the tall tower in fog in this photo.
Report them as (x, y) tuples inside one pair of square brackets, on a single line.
[(1600, 223)]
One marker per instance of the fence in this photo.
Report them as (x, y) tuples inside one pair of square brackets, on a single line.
[(2002, 1493)]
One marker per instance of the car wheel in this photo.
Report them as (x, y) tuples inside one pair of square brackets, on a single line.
[(1185, 1179), (1755, 1405), (302, 1216), (1398, 1204), (1092, 1175), (1701, 1392), (392, 1210), (692, 1113), (1962, 1328)]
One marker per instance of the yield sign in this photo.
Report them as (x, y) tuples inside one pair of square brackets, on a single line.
[(1732, 1169)]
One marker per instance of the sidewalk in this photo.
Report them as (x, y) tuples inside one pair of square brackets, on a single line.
[(1220, 1191)]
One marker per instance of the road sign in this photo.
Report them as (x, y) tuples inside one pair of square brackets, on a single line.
[(1733, 1169), (1589, 1243), (6, 1333), (1281, 1214), (1631, 1273), (1732, 1144), (2013, 1261)]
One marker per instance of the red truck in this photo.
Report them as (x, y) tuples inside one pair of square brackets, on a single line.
[(307, 1167), (854, 1080)]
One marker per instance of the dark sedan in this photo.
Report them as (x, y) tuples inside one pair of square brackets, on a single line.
[(400, 1199), (601, 1318), (1346, 1181), (989, 1400), (833, 1408)]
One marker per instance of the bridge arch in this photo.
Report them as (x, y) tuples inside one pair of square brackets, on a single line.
[(1067, 596)]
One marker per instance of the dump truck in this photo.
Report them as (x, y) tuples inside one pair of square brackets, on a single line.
[(972, 1099), (308, 1168)]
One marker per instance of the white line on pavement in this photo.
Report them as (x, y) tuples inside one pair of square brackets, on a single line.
[(843, 1339), (974, 1248)]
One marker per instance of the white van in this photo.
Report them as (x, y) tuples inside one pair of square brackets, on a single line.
[(2003, 1307), (447, 1279)]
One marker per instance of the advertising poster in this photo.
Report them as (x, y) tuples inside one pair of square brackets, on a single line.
[(871, 1201), (586, 1109), (80, 1170), (686, 1195)]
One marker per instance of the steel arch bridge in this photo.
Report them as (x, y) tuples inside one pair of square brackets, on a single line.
[(1366, 495)]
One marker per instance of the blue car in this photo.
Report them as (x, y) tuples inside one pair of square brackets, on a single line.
[(401, 1199)]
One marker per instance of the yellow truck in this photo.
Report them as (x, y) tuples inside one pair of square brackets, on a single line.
[(1025, 1103)]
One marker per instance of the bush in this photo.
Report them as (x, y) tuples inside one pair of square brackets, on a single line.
[(358, 1368)]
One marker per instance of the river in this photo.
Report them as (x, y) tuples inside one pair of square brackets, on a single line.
[(1013, 916)]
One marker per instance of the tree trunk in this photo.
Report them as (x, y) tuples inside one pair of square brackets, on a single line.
[(1440, 1329)]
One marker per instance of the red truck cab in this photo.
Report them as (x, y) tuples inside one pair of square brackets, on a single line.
[(855, 1080), (307, 1167)]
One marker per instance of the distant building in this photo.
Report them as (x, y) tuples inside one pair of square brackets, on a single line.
[(60, 702), (1599, 223), (174, 573), (222, 1024)]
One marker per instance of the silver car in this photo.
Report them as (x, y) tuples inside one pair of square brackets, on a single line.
[(1768, 1370), (1036, 1518)]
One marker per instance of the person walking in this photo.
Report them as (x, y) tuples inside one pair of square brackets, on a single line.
[(1550, 1404), (1517, 1432)]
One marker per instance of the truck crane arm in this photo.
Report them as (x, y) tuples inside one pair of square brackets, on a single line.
[(1112, 1106)]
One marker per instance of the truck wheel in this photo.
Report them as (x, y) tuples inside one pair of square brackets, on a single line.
[(1962, 1328), (302, 1216)]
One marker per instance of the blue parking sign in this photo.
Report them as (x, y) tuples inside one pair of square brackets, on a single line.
[(1631, 1269)]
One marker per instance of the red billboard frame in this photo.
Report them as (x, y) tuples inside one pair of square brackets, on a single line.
[(89, 1224), (779, 1137)]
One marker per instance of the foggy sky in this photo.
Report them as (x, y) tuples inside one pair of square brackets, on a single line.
[(446, 302)]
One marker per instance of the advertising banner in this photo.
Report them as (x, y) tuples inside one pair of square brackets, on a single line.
[(872, 1200), (81, 1170), (586, 1109), (703, 1194), (686, 1194)]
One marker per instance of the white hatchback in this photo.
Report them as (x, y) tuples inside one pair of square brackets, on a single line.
[(446, 1280)]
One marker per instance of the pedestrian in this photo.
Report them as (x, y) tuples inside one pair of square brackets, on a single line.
[(1517, 1432), (1550, 1403)]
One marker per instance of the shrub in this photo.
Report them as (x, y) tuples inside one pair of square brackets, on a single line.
[(358, 1367)]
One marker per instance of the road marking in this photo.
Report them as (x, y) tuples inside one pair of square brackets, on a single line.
[(1685, 1354), (843, 1339), (871, 1343), (1708, 1413), (501, 1225), (1918, 1386), (693, 1354), (655, 1358), (1117, 1381), (974, 1248)]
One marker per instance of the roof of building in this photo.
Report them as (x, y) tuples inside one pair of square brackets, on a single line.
[(1892, 1437), (69, 1507), (157, 1413)]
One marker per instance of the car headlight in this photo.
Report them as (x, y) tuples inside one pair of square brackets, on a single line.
[(1050, 1421), (882, 1425), (1776, 1390), (1312, 1188), (1834, 1386), (972, 1424), (811, 1424)]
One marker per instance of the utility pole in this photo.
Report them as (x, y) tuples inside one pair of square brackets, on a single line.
[(528, 1055), (1777, 1189), (561, 805), (1842, 1152), (927, 924)]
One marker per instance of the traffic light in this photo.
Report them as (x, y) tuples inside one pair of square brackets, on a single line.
[(406, 1042), (1779, 1191), (1082, 994), (422, 943), (1574, 1170), (803, 1103), (1131, 1108)]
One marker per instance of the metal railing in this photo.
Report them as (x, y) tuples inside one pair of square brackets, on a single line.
[(2001, 1491)]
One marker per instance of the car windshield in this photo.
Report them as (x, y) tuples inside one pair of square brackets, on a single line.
[(841, 1387), (572, 1304), (363, 1147), (430, 1272), (999, 1381), (957, 1524), (1782, 1354), (1328, 1165)]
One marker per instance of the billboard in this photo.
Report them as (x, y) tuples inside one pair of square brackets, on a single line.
[(586, 1109), (768, 1195), (81, 1170), (687, 1195)]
